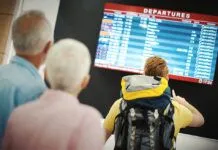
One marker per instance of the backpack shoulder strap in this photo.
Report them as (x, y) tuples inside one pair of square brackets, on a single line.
[(120, 127), (167, 128)]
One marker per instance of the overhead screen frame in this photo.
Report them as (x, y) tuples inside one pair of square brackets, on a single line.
[(155, 13)]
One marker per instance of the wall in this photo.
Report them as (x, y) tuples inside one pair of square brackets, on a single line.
[(49, 7), (82, 19), (7, 10)]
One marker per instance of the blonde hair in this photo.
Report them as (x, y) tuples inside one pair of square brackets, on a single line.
[(156, 66)]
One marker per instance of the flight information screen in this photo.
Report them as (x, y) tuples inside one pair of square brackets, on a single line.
[(131, 34)]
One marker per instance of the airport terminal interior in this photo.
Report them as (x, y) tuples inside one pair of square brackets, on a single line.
[(121, 33)]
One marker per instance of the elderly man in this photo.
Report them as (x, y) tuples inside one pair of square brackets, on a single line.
[(57, 121), (20, 81)]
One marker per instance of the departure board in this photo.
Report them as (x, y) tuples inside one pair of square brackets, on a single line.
[(131, 34)]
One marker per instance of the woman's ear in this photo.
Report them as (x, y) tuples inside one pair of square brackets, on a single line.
[(85, 81)]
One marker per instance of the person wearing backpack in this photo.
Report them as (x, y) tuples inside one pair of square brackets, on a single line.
[(146, 117)]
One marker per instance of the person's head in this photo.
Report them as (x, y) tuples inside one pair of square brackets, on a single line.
[(32, 34), (156, 66), (67, 66)]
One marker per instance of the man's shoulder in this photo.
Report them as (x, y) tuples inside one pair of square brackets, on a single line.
[(24, 91), (7, 88), (116, 104), (7, 72), (118, 101), (17, 76), (20, 79)]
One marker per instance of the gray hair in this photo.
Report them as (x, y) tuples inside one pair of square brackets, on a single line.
[(67, 64), (31, 32)]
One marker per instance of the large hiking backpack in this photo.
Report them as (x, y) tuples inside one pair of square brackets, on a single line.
[(140, 128), (142, 125)]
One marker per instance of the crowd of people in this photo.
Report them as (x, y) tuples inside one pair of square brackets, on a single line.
[(35, 117)]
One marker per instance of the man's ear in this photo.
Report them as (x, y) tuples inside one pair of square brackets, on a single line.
[(47, 47), (85, 81)]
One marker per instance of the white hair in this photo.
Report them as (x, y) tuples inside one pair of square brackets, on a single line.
[(31, 32), (67, 64)]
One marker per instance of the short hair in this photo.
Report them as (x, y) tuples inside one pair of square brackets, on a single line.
[(67, 63), (31, 32), (156, 66)]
